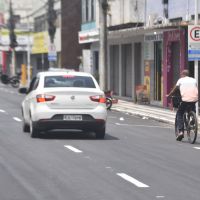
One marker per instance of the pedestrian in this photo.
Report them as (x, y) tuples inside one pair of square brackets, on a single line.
[(189, 96)]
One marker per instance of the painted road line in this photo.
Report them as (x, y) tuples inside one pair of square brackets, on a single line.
[(3, 111), (73, 149), (138, 125), (17, 119), (197, 148), (132, 180)]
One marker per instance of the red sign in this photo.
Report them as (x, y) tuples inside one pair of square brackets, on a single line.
[(195, 33)]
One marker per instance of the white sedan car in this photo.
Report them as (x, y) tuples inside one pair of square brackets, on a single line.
[(64, 100)]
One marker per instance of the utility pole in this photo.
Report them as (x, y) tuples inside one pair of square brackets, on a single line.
[(28, 55), (103, 6), (13, 39), (52, 57), (196, 61)]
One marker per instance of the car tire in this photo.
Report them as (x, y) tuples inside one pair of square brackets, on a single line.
[(34, 133), (100, 133), (25, 127)]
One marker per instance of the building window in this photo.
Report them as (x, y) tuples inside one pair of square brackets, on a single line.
[(92, 10), (158, 70), (88, 10), (40, 23)]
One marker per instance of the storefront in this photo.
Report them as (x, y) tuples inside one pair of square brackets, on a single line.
[(24, 39), (174, 59), (125, 66), (153, 48)]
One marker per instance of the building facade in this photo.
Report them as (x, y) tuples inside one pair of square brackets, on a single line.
[(41, 48), (147, 45), (21, 9)]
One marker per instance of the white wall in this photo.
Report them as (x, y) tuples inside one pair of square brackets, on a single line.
[(126, 11), (177, 8)]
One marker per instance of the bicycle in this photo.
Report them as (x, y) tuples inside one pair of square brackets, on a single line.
[(189, 119), (109, 99), (14, 80)]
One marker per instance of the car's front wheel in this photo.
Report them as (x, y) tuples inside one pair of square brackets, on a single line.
[(100, 133), (34, 132)]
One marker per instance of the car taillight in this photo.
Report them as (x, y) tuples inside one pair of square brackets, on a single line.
[(44, 97), (98, 98)]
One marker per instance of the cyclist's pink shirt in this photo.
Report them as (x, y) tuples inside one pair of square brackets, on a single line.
[(188, 89)]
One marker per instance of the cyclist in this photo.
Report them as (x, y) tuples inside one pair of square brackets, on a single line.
[(189, 96)]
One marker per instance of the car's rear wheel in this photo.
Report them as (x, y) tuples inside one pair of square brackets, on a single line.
[(34, 132), (100, 133)]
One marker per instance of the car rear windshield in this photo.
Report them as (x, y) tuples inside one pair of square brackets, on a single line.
[(69, 81)]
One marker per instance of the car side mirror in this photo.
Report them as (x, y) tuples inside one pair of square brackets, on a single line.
[(23, 90)]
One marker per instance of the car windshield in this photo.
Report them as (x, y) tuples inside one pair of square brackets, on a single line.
[(69, 81)]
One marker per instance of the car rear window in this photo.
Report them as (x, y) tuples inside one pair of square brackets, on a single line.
[(69, 81)]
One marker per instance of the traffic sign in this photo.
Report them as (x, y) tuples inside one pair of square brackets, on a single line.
[(52, 54), (193, 42)]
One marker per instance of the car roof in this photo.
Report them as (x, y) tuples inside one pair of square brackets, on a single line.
[(65, 72)]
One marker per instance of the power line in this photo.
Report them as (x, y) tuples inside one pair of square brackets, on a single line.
[(39, 9)]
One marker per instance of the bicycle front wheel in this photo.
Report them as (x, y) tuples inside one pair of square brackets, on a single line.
[(192, 127)]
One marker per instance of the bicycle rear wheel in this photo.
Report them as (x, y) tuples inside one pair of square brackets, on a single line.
[(192, 127), (176, 126)]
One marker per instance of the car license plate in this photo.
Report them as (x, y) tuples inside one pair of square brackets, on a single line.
[(72, 117)]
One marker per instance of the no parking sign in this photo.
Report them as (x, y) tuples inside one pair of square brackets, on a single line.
[(193, 43)]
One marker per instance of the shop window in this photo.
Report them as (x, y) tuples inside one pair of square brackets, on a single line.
[(157, 71)]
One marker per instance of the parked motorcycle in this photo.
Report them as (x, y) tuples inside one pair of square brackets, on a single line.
[(14, 80), (109, 99)]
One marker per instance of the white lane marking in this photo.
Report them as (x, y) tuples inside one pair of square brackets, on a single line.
[(197, 148), (17, 119), (3, 111), (140, 125), (132, 180), (112, 117), (73, 149), (159, 197), (121, 119)]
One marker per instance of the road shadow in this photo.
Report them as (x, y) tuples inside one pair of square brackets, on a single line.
[(73, 135), (185, 141)]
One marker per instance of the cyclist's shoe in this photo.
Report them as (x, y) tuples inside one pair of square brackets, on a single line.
[(180, 136)]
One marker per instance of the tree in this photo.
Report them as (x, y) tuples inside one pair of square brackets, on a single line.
[(51, 20), (13, 38)]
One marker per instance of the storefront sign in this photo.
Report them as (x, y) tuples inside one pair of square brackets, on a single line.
[(88, 37), (193, 43), (153, 37), (22, 40), (40, 43)]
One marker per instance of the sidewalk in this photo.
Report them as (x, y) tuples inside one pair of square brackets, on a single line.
[(147, 111)]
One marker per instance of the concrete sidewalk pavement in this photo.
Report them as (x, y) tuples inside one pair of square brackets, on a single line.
[(147, 111)]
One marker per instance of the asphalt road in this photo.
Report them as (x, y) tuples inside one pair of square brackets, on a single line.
[(139, 159)]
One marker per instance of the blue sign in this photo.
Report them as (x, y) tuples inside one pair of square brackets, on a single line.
[(52, 57)]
